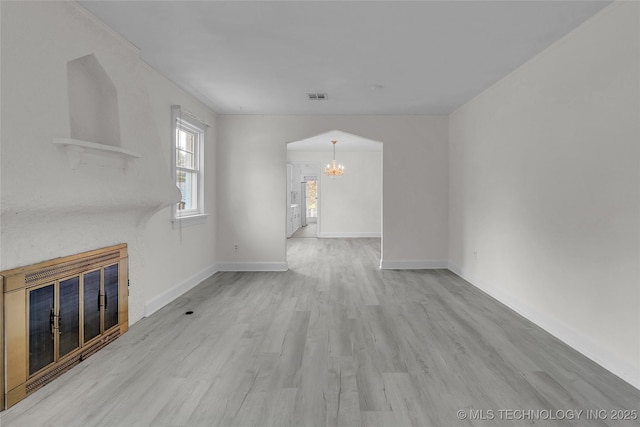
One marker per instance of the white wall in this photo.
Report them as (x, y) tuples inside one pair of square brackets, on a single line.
[(252, 185), (50, 210), (350, 205), (544, 190)]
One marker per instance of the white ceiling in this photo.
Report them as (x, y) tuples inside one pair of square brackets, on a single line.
[(369, 57)]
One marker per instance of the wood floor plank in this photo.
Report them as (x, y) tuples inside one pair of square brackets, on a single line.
[(314, 395), (278, 410), (368, 376), (334, 341), (273, 338), (288, 371), (251, 413), (406, 400), (179, 408), (381, 419)]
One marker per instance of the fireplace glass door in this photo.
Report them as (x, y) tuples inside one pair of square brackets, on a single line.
[(54, 322), (100, 301), (41, 332), (91, 305), (67, 314), (110, 296)]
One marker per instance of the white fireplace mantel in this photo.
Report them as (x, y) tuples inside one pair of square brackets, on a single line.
[(75, 149)]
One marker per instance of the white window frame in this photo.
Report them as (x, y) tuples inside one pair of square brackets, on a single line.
[(183, 121)]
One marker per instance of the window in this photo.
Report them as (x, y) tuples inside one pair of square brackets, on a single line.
[(188, 166)]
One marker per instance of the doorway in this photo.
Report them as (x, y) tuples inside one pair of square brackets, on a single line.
[(311, 206), (303, 189), (339, 206)]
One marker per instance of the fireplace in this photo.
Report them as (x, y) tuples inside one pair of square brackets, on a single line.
[(59, 312)]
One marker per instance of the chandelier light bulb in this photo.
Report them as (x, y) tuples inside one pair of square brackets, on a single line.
[(333, 168)]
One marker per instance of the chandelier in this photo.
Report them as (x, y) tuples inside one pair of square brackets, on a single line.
[(334, 169)]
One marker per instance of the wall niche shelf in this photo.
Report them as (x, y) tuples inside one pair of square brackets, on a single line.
[(76, 150)]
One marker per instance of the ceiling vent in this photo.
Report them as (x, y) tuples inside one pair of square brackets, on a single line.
[(317, 96)]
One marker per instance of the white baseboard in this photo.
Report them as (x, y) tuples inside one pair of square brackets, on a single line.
[(349, 234), (413, 264), (169, 295), (253, 266), (575, 339)]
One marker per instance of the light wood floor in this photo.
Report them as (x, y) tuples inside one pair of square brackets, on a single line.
[(332, 342), (310, 230)]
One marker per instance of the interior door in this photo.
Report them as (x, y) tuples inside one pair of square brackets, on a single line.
[(311, 208), (303, 204)]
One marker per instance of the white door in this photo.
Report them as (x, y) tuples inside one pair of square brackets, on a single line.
[(312, 198)]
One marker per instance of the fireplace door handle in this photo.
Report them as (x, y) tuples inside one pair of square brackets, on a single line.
[(52, 327), (59, 319), (106, 300)]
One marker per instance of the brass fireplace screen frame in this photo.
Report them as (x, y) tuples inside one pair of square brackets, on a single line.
[(17, 283)]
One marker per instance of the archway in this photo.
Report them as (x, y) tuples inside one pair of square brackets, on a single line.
[(348, 206)]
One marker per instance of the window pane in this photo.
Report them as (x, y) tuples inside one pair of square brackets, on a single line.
[(194, 191), (181, 181), (189, 139), (181, 177), (185, 159), (180, 157), (189, 142), (186, 140), (188, 185)]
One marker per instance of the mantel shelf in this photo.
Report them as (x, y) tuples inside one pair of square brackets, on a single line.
[(76, 147)]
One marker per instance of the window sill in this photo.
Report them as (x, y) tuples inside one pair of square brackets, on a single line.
[(187, 221)]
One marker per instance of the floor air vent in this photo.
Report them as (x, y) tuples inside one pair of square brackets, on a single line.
[(317, 96)]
